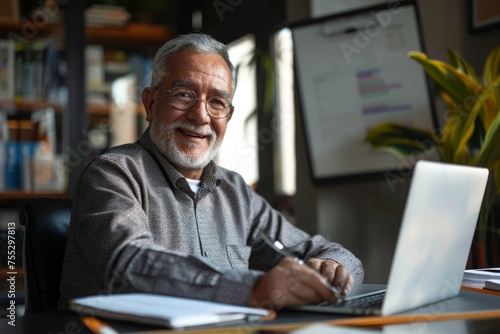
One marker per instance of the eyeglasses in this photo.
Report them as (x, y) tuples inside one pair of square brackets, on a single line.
[(184, 99)]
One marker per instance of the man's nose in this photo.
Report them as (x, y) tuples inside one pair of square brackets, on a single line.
[(199, 112)]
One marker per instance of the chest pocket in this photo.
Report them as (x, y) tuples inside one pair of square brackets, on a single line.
[(238, 256)]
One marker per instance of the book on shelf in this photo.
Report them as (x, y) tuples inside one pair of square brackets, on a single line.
[(106, 15), (123, 110), (25, 55), (141, 67), (19, 149), (94, 66), (53, 76), (477, 277), (167, 311), (7, 61), (47, 167), (38, 59), (4, 136)]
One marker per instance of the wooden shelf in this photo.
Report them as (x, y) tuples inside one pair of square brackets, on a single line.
[(28, 106), (19, 194), (17, 27), (132, 35), (98, 110), (92, 109), (104, 110), (10, 199)]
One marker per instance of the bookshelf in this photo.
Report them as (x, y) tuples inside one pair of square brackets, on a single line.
[(128, 38), (77, 114)]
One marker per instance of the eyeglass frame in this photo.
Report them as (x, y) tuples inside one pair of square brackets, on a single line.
[(196, 99)]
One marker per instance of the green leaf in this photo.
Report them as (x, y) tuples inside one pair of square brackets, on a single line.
[(492, 65), (491, 74), (496, 175), (468, 127), (458, 85), (401, 147), (399, 139), (489, 154), (492, 106), (457, 61)]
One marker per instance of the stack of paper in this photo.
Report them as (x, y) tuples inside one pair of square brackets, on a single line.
[(172, 312), (492, 284), (477, 278)]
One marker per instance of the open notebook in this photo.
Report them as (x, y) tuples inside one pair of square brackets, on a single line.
[(167, 311), (433, 244)]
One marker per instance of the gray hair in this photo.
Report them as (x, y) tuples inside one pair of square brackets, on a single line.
[(197, 42)]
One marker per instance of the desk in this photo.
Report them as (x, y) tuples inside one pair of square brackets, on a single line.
[(471, 311)]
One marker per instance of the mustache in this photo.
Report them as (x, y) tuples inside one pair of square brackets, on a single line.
[(202, 130)]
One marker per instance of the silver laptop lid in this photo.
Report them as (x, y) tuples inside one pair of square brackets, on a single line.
[(435, 235)]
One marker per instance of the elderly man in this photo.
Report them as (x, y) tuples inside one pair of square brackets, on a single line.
[(159, 216)]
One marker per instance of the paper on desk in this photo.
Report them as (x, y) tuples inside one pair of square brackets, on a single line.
[(173, 312), (477, 277), (492, 284)]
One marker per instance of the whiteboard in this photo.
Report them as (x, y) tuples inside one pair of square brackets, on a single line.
[(352, 73)]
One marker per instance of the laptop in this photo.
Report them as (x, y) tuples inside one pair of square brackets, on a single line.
[(434, 240)]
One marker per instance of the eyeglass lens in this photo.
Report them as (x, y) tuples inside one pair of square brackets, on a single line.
[(184, 99)]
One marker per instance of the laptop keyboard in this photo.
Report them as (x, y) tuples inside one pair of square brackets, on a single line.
[(365, 305)]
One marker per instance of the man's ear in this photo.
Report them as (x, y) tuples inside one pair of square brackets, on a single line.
[(148, 100), (230, 114)]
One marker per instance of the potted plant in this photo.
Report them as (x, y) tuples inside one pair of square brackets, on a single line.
[(470, 136)]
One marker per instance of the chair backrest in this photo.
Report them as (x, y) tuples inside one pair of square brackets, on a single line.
[(46, 223)]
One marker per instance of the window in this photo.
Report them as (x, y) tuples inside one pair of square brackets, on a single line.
[(239, 151), (285, 138)]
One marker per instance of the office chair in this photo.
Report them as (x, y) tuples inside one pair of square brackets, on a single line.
[(46, 223)]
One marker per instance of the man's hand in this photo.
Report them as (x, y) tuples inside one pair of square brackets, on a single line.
[(290, 283), (335, 273)]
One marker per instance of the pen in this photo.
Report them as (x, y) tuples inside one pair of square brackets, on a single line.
[(281, 249), (97, 326)]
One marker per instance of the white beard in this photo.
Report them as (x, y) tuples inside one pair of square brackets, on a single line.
[(163, 138)]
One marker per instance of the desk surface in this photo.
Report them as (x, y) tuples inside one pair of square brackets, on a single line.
[(70, 324), (470, 312)]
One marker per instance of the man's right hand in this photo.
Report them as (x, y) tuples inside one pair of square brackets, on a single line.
[(290, 284)]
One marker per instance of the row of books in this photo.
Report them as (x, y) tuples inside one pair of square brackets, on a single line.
[(103, 68), (30, 71), (28, 157), (35, 72), (28, 160)]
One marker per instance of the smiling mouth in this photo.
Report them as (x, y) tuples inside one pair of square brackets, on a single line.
[(192, 134)]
